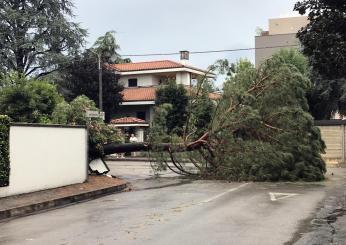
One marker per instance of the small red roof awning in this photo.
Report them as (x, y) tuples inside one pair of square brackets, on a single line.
[(128, 120)]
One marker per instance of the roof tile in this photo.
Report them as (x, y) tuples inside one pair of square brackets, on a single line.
[(149, 94), (150, 65), (139, 94)]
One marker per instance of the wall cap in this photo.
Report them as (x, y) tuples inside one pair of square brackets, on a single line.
[(47, 125), (335, 122)]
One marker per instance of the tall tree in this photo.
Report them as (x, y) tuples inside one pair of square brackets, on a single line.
[(176, 95), (37, 35), (106, 47), (80, 77), (324, 42)]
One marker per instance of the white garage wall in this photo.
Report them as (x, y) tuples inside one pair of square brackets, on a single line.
[(44, 157)]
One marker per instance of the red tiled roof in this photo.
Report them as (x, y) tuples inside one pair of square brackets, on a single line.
[(127, 120), (139, 94), (214, 96), (149, 94), (150, 65)]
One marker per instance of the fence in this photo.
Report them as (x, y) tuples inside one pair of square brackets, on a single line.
[(45, 156), (334, 135)]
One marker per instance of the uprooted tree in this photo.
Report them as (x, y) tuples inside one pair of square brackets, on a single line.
[(260, 130)]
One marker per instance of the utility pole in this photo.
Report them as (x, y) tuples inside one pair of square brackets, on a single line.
[(99, 61), (100, 82)]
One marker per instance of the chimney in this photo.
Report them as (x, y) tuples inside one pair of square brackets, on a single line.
[(184, 57)]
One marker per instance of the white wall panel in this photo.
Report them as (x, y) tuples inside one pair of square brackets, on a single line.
[(44, 157)]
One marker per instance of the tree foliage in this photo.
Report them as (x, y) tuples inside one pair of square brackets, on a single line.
[(81, 77), (28, 100), (74, 113), (175, 95), (260, 130), (5, 150), (107, 47), (323, 41), (202, 107), (37, 35)]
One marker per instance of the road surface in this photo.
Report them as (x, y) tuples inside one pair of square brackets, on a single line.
[(177, 211)]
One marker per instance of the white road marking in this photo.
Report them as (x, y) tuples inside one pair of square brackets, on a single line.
[(274, 196), (223, 193)]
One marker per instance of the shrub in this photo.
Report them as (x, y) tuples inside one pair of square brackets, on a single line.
[(74, 113), (4, 151), (28, 100)]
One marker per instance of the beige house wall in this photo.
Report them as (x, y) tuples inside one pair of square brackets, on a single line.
[(148, 80), (281, 32), (272, 41), (143, 80), (287, 25)]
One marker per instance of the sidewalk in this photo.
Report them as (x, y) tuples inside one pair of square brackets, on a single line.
[(328, 224), (96, 186)]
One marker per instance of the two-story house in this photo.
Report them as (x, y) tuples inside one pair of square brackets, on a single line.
[(140, 81)]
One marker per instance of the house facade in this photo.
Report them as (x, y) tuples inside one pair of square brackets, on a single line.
[(140, 81)]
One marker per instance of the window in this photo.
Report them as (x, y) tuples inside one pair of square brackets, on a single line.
[(141, 115), (133, 82)]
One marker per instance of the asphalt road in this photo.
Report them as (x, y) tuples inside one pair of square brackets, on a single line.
[(177, 211)]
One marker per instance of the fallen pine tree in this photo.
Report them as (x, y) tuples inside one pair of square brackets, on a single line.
[(260, 128)]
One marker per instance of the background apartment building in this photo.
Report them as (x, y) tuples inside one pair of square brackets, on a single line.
[(281, 32)]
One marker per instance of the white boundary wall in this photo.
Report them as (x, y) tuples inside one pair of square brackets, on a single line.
[(45, 157)]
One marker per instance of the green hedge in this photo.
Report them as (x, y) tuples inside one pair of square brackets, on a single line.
[(4, 151)]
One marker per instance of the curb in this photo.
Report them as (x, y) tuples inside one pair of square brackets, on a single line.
[(59, 202), (127, 159)]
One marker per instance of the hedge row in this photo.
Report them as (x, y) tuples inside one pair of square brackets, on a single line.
[(4, 151)]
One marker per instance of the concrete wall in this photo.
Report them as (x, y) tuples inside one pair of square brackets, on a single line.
[(272, 41), (334, 136), (44, 157)]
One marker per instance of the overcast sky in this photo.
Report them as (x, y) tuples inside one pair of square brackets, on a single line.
[(154, 26)]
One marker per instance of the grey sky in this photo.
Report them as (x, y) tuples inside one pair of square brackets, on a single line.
[(147, 26)]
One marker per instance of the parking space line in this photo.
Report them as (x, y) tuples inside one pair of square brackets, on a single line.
[(274, 196), (224, 193)]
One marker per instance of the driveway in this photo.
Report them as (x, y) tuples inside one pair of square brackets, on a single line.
[(179, 211)]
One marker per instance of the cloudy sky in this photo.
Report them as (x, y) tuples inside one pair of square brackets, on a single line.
[(154, 26)]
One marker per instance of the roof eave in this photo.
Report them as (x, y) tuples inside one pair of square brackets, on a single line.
[(167, 70), (131, 125), (137, 102)]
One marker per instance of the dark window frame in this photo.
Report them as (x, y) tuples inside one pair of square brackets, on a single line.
[(133, 82), (143, 116)]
